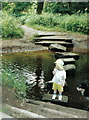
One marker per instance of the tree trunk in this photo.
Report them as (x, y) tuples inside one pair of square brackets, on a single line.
[(40, 7)]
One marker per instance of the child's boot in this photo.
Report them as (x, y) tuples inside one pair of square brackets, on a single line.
[(60, 98), (54, 96)]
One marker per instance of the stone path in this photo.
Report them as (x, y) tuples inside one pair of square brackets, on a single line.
[(3, 115), (24, 44), (61, 45)]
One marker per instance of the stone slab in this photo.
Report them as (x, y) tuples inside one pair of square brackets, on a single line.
[(47, 43), (57, 47), (54, 38), (69, 67), (68, 60), (66, 55), (48, 97), (47, 34)]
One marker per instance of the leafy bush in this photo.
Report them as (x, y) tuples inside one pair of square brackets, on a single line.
[(44, 20), (10, 27), (75, 22), (23, 18)]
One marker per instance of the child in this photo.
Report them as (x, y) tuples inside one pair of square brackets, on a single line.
[(58, 79)]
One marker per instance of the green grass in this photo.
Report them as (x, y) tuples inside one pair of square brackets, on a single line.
[(32, 39), (55, 22), (43, 28), (15, 80), (4, 109)]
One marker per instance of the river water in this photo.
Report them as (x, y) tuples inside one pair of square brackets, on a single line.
[(37, 67)]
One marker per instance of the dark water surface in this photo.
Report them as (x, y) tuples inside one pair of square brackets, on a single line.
[(37, 68)]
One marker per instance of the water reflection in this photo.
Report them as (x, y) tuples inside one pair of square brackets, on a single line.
[(35, 80)]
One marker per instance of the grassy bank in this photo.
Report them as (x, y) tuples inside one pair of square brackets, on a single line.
[(57, 22), (14, 79), (10, 26)]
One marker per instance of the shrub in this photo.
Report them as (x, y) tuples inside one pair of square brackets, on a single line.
[(75, 22), (22, 19), (44, 20), (10, 27)]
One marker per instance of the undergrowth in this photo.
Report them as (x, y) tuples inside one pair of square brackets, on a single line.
[(10, 26), (57, 22)]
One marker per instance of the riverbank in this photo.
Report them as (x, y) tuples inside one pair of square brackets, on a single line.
[(14, 107), (25, 44)]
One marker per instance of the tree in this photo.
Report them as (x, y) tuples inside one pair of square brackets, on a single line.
[(40, 6)]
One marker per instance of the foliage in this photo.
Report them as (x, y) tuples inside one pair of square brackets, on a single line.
[(44, 20), (23, 18), (10, 27), (75, 22), (15, 80), (59, 15), (66, 7), (17, 8), (8, 6)]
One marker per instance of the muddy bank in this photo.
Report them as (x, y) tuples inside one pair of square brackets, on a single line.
[(19, 45), (81, 42)]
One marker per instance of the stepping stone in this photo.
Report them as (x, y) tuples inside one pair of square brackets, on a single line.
[(47, 43), (57, 47), (51, 34), (69, 67), (48, 98), (66, 55), (46, 35), (54, 38), (68, 60)]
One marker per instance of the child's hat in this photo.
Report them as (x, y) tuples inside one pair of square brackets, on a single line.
[(59, 64)]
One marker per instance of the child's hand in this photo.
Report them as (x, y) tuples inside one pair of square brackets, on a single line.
[(65, 83), (53, 72)]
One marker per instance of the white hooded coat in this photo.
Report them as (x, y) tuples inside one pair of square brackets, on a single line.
[(59, 76), (59, 73)]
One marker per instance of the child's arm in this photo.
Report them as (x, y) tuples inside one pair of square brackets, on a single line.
[(64, 82), (64, 78)]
